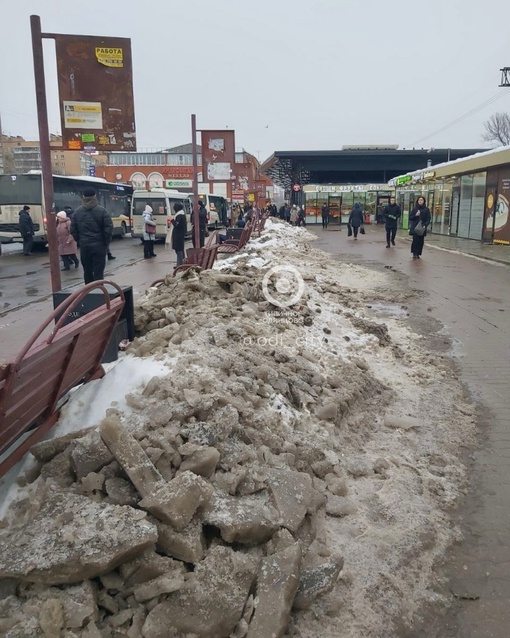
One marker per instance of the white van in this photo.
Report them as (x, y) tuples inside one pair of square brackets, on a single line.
[(161, 200), (216, 207)]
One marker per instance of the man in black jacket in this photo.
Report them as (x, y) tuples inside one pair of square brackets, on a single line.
[(92, 227), (391, 215), (26, 229)]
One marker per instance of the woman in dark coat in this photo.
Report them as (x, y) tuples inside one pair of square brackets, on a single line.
[(356, 219), (179, 232), (419, 213)]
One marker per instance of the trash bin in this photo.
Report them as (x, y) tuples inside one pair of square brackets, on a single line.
[(125, 328)]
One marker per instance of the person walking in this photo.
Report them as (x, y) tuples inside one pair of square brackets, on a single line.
[(325, 216), (26, 229), (420, 213), (67, 247), (202, 224), (293, 215), (301, 220), (391, 214), (356, 219), (240, 221), (179, 230), (92, 229), (149, 232)]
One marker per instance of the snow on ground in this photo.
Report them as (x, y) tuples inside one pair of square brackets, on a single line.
[(327, 386)]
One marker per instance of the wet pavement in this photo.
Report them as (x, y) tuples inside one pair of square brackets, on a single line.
[(471, 298)]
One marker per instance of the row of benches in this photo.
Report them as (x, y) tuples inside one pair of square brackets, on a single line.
[(206, 256)]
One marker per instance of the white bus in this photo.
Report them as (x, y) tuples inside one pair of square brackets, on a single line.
[(216, 207), (19, 190), (161, 200)]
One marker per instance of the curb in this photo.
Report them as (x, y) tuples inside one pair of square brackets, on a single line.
[(455, 251)]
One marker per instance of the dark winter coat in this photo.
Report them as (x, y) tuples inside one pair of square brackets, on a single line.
[(91, 224), (325, 212), (202, 218), (392, 214), (356, 216), (179, 231), (26, 225), (419, 213)]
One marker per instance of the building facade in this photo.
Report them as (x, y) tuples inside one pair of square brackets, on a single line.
[(21, 156), (173, 168), (468, 198)]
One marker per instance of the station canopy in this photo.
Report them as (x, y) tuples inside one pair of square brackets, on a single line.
[(353, 164)]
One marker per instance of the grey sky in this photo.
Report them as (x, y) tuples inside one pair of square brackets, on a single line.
[(318, 74)]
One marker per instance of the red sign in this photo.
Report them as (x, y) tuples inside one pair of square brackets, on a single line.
[(218, 155), (296, 188)]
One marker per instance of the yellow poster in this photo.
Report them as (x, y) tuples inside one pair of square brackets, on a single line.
[(110, 56)]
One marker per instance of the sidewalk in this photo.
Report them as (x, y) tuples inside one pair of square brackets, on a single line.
[(17, 326), (491, 252), (469, 297)]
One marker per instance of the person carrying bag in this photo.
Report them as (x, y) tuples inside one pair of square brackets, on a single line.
[(419, 219), (149, 232)]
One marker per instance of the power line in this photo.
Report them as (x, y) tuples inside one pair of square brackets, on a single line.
[(459, 119)]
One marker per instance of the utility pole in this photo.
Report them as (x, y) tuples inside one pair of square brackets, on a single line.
[(44, 142), (196, 220)]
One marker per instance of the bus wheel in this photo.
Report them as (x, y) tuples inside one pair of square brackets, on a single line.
[(123, 230)]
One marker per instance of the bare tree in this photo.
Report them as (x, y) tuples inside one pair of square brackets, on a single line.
[(497, 129)]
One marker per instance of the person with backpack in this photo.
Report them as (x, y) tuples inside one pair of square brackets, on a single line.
[(92, 229)]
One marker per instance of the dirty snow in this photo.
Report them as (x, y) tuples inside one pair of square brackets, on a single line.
[(312, 387)]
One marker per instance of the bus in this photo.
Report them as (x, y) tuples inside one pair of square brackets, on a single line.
[(216, 207), (18, 190), (161, 200)]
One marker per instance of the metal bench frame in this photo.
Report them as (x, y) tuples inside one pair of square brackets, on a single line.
[(32, 384)]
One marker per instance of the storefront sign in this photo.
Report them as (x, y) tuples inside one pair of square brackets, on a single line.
[(429, 174), (346, 188), (179, 183), (404, 179)]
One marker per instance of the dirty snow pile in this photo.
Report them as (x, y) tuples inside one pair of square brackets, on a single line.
[(288, 471)]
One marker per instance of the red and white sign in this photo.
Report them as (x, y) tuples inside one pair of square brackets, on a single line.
[(296, 188)]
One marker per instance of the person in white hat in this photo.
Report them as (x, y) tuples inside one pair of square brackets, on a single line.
[(67, 247)]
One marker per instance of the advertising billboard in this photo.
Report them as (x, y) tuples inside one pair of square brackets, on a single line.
[(218, 155), (95, 85)]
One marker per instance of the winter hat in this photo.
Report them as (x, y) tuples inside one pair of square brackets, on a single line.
[(62, 215), (89, 192)]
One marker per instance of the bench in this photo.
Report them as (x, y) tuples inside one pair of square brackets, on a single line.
[(32, 384), (235, 245)]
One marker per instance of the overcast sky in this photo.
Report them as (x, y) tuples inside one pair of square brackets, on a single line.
[(285, 74)]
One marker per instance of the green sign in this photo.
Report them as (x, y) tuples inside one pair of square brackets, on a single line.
[(404, 179), (88, 137)]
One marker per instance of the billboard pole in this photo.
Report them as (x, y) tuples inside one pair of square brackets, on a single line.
[(44, 142), (196, 219)]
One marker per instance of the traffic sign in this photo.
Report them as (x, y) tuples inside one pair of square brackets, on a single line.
[(296, 187)]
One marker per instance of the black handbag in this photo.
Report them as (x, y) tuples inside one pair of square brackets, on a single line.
[(362, 230), (349, 230)]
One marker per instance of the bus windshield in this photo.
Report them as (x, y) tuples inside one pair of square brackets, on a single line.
[(20, 189)]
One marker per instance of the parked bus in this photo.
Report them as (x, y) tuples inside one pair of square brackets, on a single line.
[(161, 200), (18, 190)]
